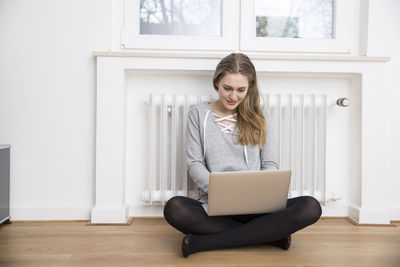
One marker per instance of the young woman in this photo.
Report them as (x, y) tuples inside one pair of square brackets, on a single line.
[(231, 134)]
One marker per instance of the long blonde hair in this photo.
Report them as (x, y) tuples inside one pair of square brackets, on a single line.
[(250, 120)]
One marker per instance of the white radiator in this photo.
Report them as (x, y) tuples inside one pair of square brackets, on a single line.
[(299, 134)]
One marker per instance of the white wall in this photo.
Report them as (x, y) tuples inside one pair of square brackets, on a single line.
[(47, 100), (47, 103), (384, 39)]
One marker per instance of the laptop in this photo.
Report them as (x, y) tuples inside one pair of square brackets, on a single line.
[(248, 192)]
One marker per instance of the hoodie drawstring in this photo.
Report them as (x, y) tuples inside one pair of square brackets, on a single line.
[(245, 155), (204, 139)]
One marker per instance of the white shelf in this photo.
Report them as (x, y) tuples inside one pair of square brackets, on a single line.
[(253, 55)]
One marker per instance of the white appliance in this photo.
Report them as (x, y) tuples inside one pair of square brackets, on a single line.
[(5, 184)]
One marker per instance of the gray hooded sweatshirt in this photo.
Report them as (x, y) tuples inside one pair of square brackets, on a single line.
[(211, 150)]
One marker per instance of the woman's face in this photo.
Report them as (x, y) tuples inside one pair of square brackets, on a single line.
[(232, 90)]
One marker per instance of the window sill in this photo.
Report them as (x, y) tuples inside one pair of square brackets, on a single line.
[(252, 55)]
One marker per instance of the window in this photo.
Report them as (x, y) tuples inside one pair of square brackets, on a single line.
[(180, 17), (294, 18), (181, 24), (321, 26)]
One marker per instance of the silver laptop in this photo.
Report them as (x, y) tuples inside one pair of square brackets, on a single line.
[(248, 192)]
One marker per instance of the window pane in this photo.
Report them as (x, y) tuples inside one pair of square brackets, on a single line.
[(294, 18), (181, 17)]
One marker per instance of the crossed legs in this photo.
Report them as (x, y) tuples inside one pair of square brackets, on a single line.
[(205, 232)]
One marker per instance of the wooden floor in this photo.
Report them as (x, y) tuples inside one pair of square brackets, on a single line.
[(152, 242)]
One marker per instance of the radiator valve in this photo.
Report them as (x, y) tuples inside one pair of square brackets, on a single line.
[(335, 197), (343, 102)]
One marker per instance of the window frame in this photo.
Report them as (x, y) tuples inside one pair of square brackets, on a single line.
[(238, 32), (132, 39), (344, 11)]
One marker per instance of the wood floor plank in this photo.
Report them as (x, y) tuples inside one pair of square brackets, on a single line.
[(152, 242)]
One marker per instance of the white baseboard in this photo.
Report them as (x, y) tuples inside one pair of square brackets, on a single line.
[(394, 212), (354, 213), (369, 215), (49, 213), (109, 214), (103, 215)]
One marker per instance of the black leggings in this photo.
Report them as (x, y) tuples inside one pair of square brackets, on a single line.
[(210, 232)]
